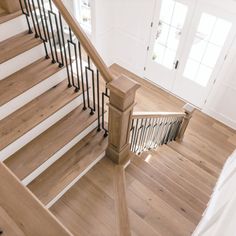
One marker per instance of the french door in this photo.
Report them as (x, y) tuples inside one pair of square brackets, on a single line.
[(170, 26), (201, 42)]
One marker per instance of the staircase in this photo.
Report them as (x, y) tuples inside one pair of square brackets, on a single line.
[(54, 87), (49, 125)]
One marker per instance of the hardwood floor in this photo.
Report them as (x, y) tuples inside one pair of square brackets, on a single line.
[(167, 190), (16, 42)]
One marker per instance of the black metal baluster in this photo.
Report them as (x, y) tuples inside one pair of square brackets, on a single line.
[(137, 141), (26, 13), (98, 102), (104, 94), (32, 17), (61, 63), (48, 32), (44, 31), (160, 131), (70, 42), (131, 133), (145, 134), (152, 123), (150, 126), (36, 19), (65, 54), (50, 14), (82, 75), (88, 68), (135, 135)]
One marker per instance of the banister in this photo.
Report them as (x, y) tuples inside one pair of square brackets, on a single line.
[(85, 41), (144, 115)]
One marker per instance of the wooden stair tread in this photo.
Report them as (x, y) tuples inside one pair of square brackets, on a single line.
[(16, 45), (27, 117), (164, 165), (170, 184), (21, 213), (5, 16), (167, 195), (26, 78), (52, 181), (39, 150), (196, 159), (122, 215), (182, 162)]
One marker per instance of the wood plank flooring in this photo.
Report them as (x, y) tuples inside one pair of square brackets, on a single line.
[(39, 150), (33, 113), (167, 189), (5, 16), (26, 78), (16, 42), (59, 175)]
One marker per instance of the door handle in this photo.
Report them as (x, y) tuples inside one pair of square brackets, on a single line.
[(176, 64)]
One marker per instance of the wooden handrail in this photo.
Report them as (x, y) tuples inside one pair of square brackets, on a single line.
[(84, 40), (21, 213), (144, 115)]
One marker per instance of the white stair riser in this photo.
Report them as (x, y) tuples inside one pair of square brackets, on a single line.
[(54, 200), (12, 27), (20, 61), (31, 94), (40, 128), (58, 154)]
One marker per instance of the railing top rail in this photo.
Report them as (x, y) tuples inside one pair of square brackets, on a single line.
[(84, 40), (144, 115)]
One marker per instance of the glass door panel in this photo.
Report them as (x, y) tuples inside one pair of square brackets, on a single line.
[(172, 18), (169, 29), (208, 42), (210, 37)]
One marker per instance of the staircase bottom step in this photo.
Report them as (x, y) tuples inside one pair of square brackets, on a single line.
[(65, 172)]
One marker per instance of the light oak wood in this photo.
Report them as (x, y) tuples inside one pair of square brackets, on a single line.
[(122, 215), (157, 201), (24, 119), (121, 103), (39, 150), (21, 213), (5, 16), (189, 110), (12, 47), (52, 181), (146, 114), (10, 6), (26, 78), (84, 40)]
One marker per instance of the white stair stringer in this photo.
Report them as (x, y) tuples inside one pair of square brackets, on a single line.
[(58, 154), (32, 93), (22, 60), (40, 128), (72, 183), (13, 27)]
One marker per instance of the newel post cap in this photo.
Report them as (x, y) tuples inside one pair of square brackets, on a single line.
[(123, 86)]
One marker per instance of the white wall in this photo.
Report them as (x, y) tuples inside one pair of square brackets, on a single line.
[(132, 29), (122, 36), (103, 18), (221, 103)]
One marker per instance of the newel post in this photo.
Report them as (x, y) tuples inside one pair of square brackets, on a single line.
[(122, 101), (188, 110)]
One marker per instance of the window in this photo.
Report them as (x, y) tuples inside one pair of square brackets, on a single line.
[(83, 13), (208, 42), (172, 19)]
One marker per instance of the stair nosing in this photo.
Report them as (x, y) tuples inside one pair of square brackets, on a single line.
[(2, 103), (75, 95), (51, 129), (24, 49), (78, 147)]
